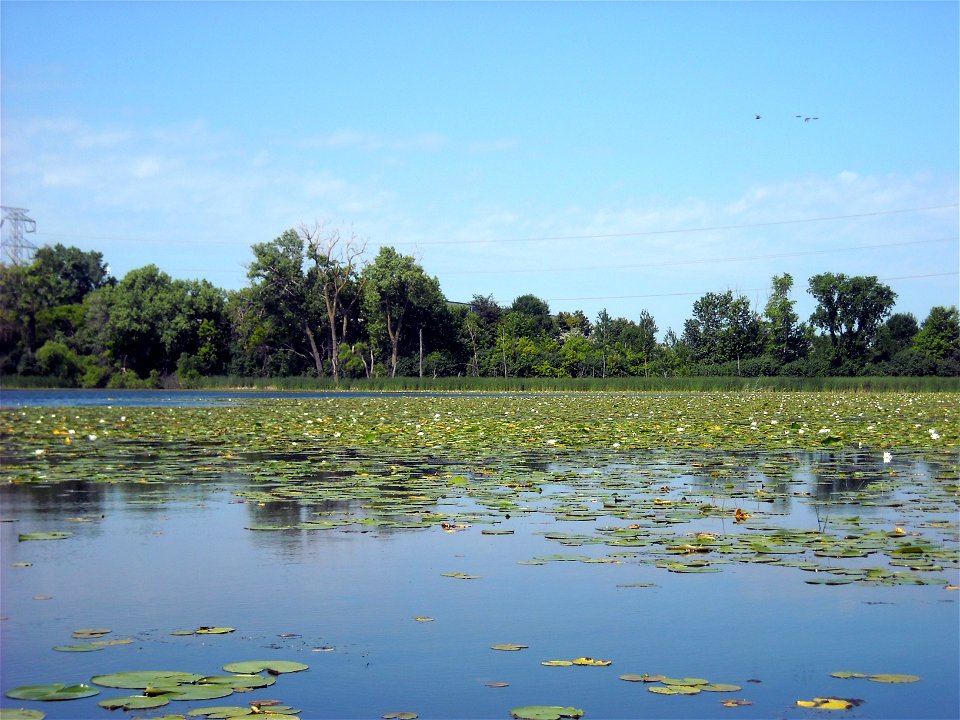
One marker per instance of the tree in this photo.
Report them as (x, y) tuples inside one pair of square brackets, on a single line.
[(336, 276), (851, 310), (148, 321), (723, 329), (786, 338), (285, 294), (536, 316), (396, 288), (939, 335), (894, 336), (33, 297)]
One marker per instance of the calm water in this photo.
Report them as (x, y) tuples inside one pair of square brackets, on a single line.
[(152, 559)]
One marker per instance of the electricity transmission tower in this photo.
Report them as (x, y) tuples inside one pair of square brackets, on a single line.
[(17, 250)]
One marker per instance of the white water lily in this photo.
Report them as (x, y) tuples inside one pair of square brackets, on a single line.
[(887, 456), (91, 438), (39, 452)]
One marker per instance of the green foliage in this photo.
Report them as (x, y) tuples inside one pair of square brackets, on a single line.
[(939, 336), (851, 310), (312, 308)]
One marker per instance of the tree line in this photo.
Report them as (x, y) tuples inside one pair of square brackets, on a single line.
[(316, 305)]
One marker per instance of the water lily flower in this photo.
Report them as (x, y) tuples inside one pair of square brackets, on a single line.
[(41, 451), (887, 456)]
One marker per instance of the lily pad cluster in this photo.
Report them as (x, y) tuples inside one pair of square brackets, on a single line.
[(158, 688)]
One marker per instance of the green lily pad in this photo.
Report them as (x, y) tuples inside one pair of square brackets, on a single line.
[(53, 691), (21, 714), (720, 687), (214, 630), (887, 678), (88, 647), (674, 689), (508, 647), (211, 691), (685, 682), (271, 666), (142, 679), (245, 680), (405, 715), (23, 537), (545, 712), (134, 702), (221, 712), (557, 663)]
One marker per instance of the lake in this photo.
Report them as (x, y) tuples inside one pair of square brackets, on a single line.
[(388, 542)]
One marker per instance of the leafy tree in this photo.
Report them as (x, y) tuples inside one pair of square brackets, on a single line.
[(786, 338), (939, 335), (851, 310), (574, 321), (335, 275), (147, 321), (285, 295), (396, 290), (894, 336), (723, 329), (535, 314), (33, 297)]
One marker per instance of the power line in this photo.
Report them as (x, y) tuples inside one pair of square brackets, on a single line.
[(545, 238), (703, 261), (707, 228), (701, 292)]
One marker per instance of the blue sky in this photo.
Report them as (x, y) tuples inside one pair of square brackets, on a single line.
[(597, 155)]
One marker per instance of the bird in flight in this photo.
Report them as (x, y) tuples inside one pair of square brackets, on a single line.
[(756, 117)]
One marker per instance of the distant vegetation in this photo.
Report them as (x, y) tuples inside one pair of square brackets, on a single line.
[(318, 313)]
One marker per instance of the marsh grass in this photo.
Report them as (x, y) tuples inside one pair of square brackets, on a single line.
[(671, 384), (548, 385)]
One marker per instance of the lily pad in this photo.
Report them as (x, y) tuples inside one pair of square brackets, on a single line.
[(210, 691), (826, 704), (21, 714), (246, 680), (886, 678), (53, 691), (591, 662), (460, 575), (557, 663), (221, 712), (142, 679), (88, 647), (271, 666), (134, 702), (400, 716), (545, 712), (674, 689), (508, 647), (23, 537), (720, 687)]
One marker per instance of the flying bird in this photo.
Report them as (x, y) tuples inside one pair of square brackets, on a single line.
[(756, 117)]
